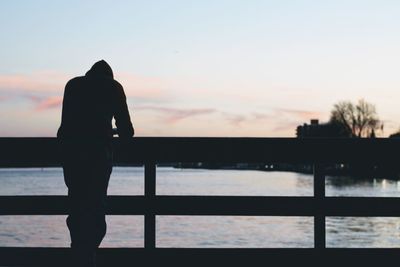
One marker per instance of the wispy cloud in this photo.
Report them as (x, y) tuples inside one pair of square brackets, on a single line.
[(173, 115), (43, 84), (297, 113), (157, 101), (40, 102), (288, 118), (34, 82), (49, 103), (236, 120), (42, 90)]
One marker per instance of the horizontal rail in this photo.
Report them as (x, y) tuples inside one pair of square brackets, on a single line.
[(205, 256), (212, 205), (25, 152)]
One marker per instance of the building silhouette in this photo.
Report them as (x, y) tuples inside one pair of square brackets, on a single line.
[(316, 129)]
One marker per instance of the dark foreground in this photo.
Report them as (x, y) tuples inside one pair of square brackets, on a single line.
[(205, 257), (24, 152)]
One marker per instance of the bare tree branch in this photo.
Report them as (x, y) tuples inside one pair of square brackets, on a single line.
[(360, 119)]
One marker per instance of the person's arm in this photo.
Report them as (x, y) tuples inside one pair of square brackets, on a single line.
[(65, 110), (122, 119)]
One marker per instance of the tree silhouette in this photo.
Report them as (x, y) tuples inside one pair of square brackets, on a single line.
[(359, 120)]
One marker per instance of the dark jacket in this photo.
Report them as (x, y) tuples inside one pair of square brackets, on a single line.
[(91, 102)]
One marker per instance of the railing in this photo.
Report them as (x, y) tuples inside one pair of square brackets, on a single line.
[(40, 152)]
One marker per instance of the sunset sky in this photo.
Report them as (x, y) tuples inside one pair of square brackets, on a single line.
[(202, 68)]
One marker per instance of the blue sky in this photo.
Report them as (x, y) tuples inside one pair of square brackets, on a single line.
[(202, 68)]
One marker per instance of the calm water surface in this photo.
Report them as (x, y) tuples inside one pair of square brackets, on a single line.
[(204, 231)]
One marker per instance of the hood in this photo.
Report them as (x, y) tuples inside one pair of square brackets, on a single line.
[(101, 68)]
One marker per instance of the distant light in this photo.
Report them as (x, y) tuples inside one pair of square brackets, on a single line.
[(384, 183)]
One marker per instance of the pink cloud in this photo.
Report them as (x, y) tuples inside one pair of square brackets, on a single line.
[(35, 82), (149, 94), (173, 115), (49, 103), (143, 88)]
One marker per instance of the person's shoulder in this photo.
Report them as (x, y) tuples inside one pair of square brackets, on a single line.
[(75, 80), (117, 84), (117, 87)]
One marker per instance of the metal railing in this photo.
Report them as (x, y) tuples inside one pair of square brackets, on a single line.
[(40, 152)]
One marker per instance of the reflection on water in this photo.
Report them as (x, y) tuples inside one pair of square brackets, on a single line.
[(378, 232), (348, 186), (234, 231), (232, 182), (204, 231), (51, 231), (372, 232)]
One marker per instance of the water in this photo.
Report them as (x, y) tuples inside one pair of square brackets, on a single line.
[(203, 231)]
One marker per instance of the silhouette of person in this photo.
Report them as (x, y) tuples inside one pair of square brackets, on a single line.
[(85, 134)]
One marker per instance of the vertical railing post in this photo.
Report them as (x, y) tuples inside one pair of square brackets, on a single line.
[(150, 193), (319, 216)]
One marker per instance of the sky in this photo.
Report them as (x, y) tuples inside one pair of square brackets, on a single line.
[(202, 68)]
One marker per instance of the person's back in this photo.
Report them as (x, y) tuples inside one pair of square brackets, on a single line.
[(89, 105)]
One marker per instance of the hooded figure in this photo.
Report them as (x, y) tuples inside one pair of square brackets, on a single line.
[(90, 102), (101, 68), (89, 105)]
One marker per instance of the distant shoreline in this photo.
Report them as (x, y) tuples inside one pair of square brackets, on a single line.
[(358, 173)]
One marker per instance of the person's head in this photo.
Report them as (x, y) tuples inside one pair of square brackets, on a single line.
[(101, 68)]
